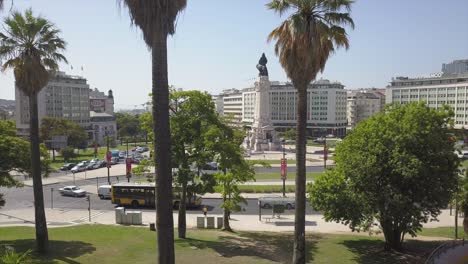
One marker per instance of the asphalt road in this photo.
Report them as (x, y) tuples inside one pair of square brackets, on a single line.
[(23, 198)]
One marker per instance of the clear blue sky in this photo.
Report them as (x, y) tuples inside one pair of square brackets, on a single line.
[(218, 44)]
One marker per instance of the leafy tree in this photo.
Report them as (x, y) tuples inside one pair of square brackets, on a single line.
[(14, 154), (31, 46), (128, 126), (157, 20), (234, 170), (395, 171), (304, 42), (289, 134), (68, 153), (192, 114), (76, 135)]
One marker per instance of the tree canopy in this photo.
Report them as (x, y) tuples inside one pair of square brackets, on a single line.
[(14, 156), (76, 135), (396, 171), (127, 125)]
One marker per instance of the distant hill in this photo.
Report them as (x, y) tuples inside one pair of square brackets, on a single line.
[(7, 103)]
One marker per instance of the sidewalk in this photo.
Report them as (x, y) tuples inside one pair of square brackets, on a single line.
[(241, 222)]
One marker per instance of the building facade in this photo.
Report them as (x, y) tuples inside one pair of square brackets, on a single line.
[(455, 67), (362, 104), (99, 102), (65, 96), (448, 89), (231, 106), (103, 125), (326, 107)]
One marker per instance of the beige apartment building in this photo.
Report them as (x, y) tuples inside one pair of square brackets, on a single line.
[(362, 104)]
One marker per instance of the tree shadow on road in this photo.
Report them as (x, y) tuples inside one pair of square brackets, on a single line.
[(64, 251), (372, 251), (276, 247)]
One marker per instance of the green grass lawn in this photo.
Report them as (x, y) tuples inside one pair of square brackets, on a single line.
[(448, 232), (272, 161), (116, 244)]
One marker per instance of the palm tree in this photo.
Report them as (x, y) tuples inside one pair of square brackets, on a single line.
[(157, 20), (31, 46), (304, 42)]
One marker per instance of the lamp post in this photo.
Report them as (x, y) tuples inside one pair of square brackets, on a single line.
[(283, 167)]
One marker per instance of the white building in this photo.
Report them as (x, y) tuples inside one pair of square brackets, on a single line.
[(448, 89), (231, 106), (65, 96), (103, 124), (326, 107), (362, 104), (455, 67)]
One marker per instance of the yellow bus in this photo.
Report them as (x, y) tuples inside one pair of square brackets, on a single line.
[(143, 194)]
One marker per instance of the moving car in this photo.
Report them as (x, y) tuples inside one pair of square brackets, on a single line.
[(67, 166), (268, 201), (72, 191)]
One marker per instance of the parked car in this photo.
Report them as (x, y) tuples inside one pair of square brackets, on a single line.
[(122, 154), (102, 163), (139, 149), (145, 148), (268, 201), (78, 168), (83, 163), (91, 165), (72, 191), (105, 192), (67, 166), (114, 160)]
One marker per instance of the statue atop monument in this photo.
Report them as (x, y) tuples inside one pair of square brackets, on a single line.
[(261, 66)]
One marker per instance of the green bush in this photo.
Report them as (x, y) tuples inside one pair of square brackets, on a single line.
[(67, 153)]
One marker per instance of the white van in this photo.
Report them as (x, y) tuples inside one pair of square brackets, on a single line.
[(105, 191)]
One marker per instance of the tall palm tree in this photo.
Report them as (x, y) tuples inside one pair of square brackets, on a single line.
[(31, 46), (304, 42), (157, 20)]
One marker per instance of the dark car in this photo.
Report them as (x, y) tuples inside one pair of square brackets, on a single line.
[(67, 166)]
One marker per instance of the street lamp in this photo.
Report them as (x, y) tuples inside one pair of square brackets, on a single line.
[(283, 167)]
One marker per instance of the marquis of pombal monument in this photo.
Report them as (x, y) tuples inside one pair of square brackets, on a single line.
[(262, 135)]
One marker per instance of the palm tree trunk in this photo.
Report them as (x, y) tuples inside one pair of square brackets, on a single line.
[(301, 130), (162, 143), (182, 227), (42, 237)]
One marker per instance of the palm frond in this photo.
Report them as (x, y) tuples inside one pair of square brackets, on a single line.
[(31, 46), (154, 17), (307, 38)]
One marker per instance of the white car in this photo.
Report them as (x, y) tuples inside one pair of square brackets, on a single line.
[(78, 168), (72, 191)]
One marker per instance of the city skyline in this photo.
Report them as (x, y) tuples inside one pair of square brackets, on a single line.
[(215, 50)]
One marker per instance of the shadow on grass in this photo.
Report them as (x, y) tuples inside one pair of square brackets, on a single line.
[(268, 246), (64, 251), (372, 251)]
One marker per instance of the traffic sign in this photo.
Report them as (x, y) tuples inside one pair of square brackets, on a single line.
[(284, 164), (128, 162)]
